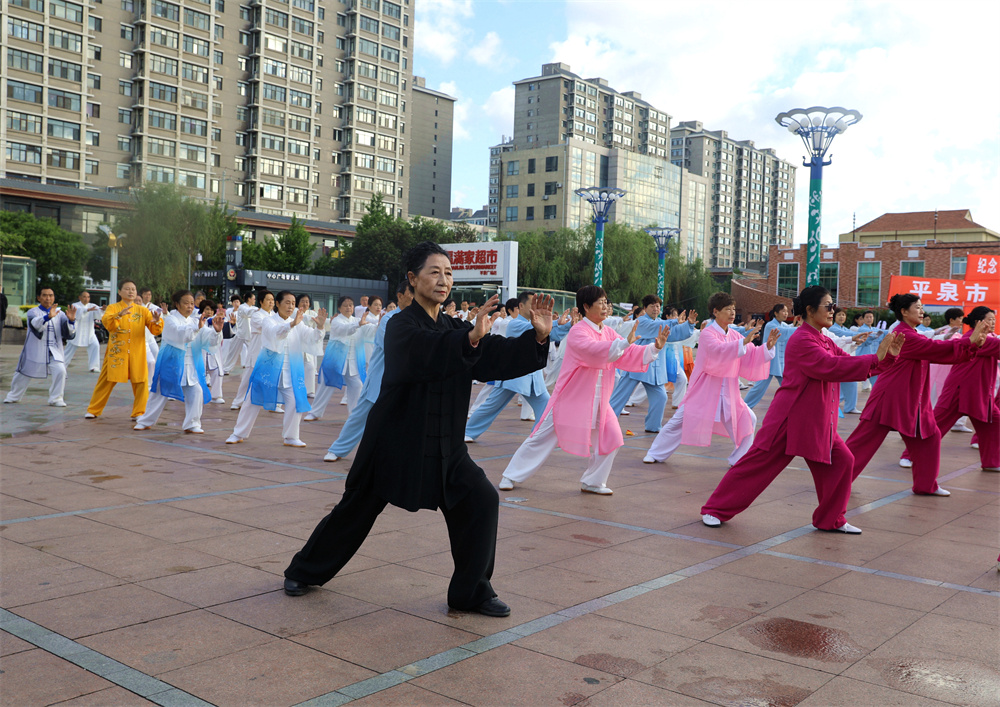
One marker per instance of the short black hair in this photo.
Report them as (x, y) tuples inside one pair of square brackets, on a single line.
[(897, 303), (207, 304), (523, 297), (809, 297), (43, 288), (340, 302), (281, 295), (235, 298), (144, 290), (175, 299), (122, 283), (976, 315), (261, 294), (587, 295), (720, 300), (299, 298), (402, 287), (650, 299), (416, 257), (777, 308), (511, 304), (952, 313)]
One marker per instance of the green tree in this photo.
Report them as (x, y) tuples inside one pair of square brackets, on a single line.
[(220, 227), (59, 254), (462, 232), (164, 232), (289, 251), (377, 248)]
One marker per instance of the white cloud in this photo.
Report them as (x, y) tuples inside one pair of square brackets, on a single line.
[(440, 27), (499, 112), (488, 52), (921, 78)]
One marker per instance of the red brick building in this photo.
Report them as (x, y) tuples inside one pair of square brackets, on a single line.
[(857, 274)]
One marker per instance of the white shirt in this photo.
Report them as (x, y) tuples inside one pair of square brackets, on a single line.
[(181, 332), (280, 336), (243, 315), (359, 310), (86, 315), (347, 329), (315, 347), (52, 334)]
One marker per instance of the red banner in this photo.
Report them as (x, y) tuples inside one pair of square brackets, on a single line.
[(948, 293), (983, 267)]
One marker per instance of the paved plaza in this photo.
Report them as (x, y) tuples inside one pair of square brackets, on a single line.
[(145, 568)]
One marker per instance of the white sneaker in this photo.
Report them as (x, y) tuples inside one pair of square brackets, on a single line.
[(528, 419), (234, 406), (310, 418), (974, 445), (505, 484), (88, 416), (14, 402), (855, 411), (941, 492), (194, 431), (990, 468), (95, 370), (623, 413), (906, 463), (601, 490), (233, 439), (846, 528), (331, 457), (58, 404), (958, 427), (711, 521), (630, 405), (648, 460), (294, 443), (469, 440), (219, 401), (140, 427)]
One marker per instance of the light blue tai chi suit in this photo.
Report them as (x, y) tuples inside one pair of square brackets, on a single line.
[(662, 370), (871, 343), (531, 386), (758, 389), (354, 427), (848, 389)]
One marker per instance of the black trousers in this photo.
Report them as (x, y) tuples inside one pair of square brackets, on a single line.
[(472, 532)]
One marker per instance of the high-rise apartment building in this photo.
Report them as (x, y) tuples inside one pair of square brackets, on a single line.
[(432, 119), (292, 107), (571, 132), (752, 193)]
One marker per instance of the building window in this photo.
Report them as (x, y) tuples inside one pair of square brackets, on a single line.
[(788, 278), (531, 189), (552, 164), (550, 212), (912, 268), (550, 188), (958, 263), (829, 277), (869, 281), (529, 213), (511, 191), (511, 213), (513, 167)]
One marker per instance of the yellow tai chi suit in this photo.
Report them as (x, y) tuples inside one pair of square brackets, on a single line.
[(125, 359)]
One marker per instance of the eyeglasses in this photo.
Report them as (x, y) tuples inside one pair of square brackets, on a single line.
[(830, 306)]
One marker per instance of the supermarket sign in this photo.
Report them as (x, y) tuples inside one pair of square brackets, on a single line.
[(485, 263)]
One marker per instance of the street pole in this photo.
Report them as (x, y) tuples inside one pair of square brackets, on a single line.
[(662, 238), (601, 199), (817, 126)]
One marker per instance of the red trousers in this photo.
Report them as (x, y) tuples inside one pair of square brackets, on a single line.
[(748, 478), (987, 434), (926, 453)]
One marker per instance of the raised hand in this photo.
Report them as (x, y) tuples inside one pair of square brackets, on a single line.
[(632, 335), (123, 312), (321, 315), (692, 317), (299, 313), (661, 338), (754, 327), (978, 337), (156, 314), (219, 320), (483, 320), (683, 315), (860, 338), (773, 337), (897, 343), (541, 316), (70, 313)]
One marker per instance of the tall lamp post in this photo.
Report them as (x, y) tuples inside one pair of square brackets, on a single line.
[(114, 243), (662, 237), (817, 126), (601, 198)]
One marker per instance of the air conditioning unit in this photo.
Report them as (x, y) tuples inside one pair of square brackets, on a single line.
[(545, 198)]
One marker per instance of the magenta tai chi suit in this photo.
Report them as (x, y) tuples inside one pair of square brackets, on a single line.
[(901, 401), (801, 421), (968, 390)]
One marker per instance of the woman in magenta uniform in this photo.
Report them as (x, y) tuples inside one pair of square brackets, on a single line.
[(968, 390), (901, 400), (810, 391)]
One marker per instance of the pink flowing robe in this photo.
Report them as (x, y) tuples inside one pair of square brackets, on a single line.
[(810, 392), (572, 401), (969, 385), (717, 369)]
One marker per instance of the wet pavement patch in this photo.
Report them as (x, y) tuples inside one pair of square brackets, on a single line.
[(746, 693), (803, 640), (610, 664), (966, 682)]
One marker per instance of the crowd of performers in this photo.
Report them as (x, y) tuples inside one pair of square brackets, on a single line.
[(406, 369)]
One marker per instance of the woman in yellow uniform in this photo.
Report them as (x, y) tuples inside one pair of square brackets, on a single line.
[(125, 359)]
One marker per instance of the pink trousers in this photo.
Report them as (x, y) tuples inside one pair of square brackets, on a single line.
[(987, 435), (748, 478), (926, 453)]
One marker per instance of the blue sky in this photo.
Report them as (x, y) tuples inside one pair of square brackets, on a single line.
[(923, 74)]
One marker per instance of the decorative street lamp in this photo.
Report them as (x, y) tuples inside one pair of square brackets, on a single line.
[(817, 127), (114, 243), (662, 237), (601, 198)]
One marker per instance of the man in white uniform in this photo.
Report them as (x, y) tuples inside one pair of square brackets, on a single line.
[(86, 315), (43, 353)]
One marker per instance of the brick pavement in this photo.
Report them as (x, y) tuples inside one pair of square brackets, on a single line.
[(145, 568)]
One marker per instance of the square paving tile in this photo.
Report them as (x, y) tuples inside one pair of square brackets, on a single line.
[(888, 590), (39, 678), (214, 585), (286, 616), (847, 692)]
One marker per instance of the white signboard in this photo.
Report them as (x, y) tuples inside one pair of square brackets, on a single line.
[(484, 263)]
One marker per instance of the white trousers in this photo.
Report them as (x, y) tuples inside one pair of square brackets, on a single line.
[(193, 404), (533, 452), (680, 387), (290, 419), (232, 352), (668, 439), (310, 364), (93, 353), (215, 383), (19, 384), (352, 391), (241, 392), (481, 398)]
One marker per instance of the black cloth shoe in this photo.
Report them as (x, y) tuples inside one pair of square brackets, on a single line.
[(295, 588), (493, 607)]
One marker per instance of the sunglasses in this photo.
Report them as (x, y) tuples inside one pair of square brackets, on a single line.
[(829, 307)]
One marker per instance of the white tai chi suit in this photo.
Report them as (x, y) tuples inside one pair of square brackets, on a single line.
[(280, 340), (313, 350), (152, 348), (181, 333), (42, 355), (86, 337), (253, 318), (345, 342), (213, 366), (234, 349)]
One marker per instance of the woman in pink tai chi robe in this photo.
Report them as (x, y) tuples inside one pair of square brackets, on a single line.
[(808, 399), (902, 401), (713, 403), (579, 417)]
